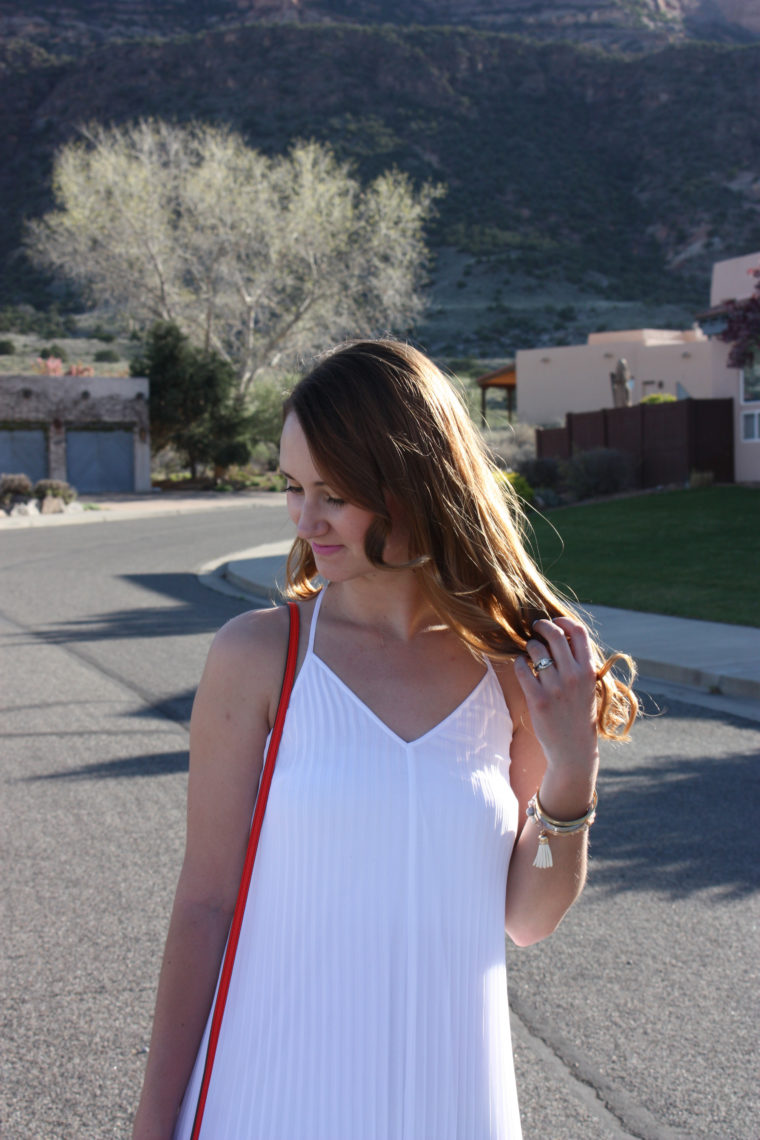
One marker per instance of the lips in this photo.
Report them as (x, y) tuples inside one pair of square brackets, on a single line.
[(318, 548)]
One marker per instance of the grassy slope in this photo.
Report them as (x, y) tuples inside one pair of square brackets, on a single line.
[(690, 553)]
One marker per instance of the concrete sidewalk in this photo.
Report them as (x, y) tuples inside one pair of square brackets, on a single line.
[(706, 655)]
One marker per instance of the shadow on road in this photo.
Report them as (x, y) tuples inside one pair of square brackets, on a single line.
[(154, 764), (195, 610), (680, 825)]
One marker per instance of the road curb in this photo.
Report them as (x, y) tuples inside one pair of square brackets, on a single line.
[(723, 684)]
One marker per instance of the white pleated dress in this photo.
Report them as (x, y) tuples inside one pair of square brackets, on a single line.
[(369, 995)]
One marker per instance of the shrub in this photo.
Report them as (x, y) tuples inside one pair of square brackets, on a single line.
[(542, 473), (601, 471), (264, 406), (7, 347), (512, 446), (546, 498), (14, 488), (54, 350), (519, 485), (658, 398), (54, 488), (107, 356), (699, 479)]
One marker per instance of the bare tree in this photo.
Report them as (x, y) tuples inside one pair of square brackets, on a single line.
[(263, 259)]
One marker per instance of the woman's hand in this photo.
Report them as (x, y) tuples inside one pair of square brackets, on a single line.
[(561, 702)]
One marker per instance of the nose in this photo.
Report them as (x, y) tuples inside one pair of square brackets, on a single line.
[(310, 523)]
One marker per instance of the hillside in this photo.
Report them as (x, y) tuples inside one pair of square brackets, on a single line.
[(625, 177), (628, 25)]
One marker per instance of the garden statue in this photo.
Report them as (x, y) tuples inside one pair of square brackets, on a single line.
[(621, 390)]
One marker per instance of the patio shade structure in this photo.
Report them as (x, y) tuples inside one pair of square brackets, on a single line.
[(504, 378)]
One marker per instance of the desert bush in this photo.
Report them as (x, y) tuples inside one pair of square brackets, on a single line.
[(53, 350), (510, 447), (107, 356), (601, 471), (7, 347), (542, 473), (54, 488), (14, 489)]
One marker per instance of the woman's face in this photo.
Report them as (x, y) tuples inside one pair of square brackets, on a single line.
[(334, 528)]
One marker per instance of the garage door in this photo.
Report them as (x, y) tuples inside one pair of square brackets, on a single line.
[(23, 452), (100, 460)]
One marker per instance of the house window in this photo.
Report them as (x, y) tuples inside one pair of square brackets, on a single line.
[(750, 426), (751, 381)]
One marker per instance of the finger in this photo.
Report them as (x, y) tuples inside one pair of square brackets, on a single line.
[(540, 660), (528, 681), (579, 640), (555, 640)]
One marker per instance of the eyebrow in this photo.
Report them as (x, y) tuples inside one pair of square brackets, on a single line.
[(317, 483)]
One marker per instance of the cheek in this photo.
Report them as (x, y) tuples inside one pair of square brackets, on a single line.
[(355, 524)]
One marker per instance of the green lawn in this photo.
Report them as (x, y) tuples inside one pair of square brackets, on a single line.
[(691, 553)]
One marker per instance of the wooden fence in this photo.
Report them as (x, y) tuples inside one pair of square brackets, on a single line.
[(665, 441)]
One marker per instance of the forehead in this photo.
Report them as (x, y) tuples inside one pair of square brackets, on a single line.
[(295, 456)]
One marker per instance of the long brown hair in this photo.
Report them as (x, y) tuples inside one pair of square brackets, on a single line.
[(381, 421)]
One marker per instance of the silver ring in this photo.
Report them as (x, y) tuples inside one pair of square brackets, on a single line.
[(542, 663)]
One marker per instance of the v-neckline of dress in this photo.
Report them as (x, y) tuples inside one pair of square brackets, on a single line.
[(386, 727)]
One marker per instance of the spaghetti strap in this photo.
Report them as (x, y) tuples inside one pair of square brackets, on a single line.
[(313, 625)]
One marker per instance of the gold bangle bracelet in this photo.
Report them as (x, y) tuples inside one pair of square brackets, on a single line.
[(564, 826), (546, 823)]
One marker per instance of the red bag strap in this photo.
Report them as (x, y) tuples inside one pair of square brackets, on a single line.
[(250, 855)]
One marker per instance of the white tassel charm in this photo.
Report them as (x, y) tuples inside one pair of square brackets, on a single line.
[(543, 859), (548, 826)]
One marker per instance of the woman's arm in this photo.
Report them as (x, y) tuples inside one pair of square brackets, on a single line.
[(232, 712), (554, 749)]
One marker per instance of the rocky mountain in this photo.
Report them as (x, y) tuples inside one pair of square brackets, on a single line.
[(628, 25), (625, 176)]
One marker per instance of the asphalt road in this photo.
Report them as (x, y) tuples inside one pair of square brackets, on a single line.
[(639, 1018)]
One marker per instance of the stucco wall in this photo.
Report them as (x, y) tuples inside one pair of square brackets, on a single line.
[(554, 381), (60, 402)]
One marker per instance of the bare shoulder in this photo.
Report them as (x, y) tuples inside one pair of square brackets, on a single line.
[(247, 659), (255, 632)]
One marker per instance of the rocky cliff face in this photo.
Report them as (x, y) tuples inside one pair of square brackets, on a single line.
[(628, 25)]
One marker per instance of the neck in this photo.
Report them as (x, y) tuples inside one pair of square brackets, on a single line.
[(388, 602)]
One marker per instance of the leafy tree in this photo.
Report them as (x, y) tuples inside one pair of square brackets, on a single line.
[(262, 259), (193, 400), (742, 328)]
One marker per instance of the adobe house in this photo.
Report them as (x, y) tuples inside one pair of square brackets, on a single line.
[(92, 431), (683, 363)]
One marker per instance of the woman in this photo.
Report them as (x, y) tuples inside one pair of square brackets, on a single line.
[(441, 684)]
